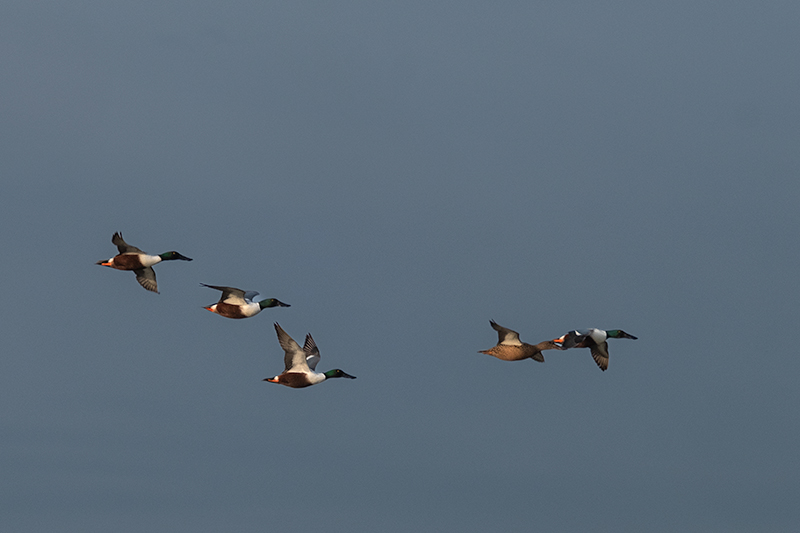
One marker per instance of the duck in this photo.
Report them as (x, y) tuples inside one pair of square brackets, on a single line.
[(132, 258), (235, 303), (301, 363), (510, 348), (595, 340)]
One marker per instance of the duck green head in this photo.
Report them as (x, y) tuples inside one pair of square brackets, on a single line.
[(171, 256), (336, 373), (272, 302), (619, 334)]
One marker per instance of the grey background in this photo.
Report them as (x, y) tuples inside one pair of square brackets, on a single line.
[(400, 173)]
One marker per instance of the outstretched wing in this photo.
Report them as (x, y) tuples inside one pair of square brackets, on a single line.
[(505, 335), (311, 351), (124, 247), (147, 278), (295, 358), (600, 355), (249, 295), (230, 295)]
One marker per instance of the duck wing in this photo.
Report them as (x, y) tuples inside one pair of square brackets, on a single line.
[(147, 278), (230, 295), (311, 351), (124, 247), (249, 295), (505, 335), (295, 358), (600, 355)]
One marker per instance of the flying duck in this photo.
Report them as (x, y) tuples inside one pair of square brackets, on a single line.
[(235, 303), (595, 340), (510, 348), (132, 258), (301, 362)]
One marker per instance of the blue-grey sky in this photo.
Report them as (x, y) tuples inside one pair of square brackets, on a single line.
[(401, 173)]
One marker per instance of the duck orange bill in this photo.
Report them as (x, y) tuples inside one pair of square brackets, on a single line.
[(271, 380), (560, 340)]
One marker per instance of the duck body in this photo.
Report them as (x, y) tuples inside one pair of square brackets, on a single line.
[(510, 348), (300, 363), (131, 261), (595, 339), (298, 380), (234, 311), (236, 303), (132, 258)]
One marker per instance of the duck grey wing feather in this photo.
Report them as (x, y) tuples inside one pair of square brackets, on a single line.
[(249, 295), (230, 295), (295, 357), (311, 351), (216, 287), (600, 355), (147, 278), (124, 247), (505, 334)]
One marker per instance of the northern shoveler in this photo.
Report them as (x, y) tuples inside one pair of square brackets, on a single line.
[(595, 340), (301, 362), (235, 303), (132, 258), (510, 348)]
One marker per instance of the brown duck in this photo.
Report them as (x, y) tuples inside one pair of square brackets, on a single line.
[(510, 348)]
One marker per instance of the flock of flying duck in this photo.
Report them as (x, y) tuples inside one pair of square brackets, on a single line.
[(301, 363)]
